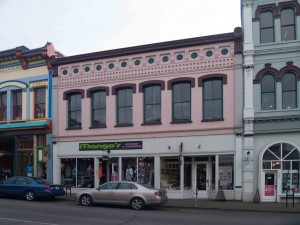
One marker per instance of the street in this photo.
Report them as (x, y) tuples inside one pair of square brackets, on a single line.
[(63, 212)]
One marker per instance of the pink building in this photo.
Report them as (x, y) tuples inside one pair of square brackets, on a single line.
[(166, 114)]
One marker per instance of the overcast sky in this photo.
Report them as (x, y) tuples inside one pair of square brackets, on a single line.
[(82, 26)]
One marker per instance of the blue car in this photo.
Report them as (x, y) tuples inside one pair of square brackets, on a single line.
[(29, 188)]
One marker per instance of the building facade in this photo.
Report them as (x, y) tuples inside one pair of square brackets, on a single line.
[(167, 115), (271, 140), (25, 111)]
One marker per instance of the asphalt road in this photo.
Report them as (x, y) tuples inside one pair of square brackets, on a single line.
[(61, 212)]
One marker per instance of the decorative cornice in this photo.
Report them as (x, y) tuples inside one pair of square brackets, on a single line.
[(199, 41), (22, 59)]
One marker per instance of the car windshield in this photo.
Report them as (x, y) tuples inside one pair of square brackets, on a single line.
[(40, 180)]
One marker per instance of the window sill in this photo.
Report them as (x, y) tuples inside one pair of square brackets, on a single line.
[(179, 122), (96, 127), (124, 125), (212, 120), (150, 124), (74, 128)]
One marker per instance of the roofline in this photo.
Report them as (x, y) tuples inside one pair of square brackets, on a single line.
[(183, 43)]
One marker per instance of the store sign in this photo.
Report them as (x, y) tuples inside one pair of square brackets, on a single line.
[(123, 145), (269, 190)]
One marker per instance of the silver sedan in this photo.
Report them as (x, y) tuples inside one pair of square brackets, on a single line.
[(137, 196)]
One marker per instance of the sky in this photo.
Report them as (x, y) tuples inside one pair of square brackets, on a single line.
[(82, 26)]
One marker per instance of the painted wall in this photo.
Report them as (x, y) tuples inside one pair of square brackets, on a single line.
[(159, 70)]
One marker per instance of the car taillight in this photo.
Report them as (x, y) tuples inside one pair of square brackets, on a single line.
[(158, 193), (46, 187)]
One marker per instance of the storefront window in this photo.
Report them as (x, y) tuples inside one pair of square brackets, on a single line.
[(170, 173), (129, 169), (85, 175), (187, 173), (226, 172), (146, 170), (213, 176), (78, 173), (68, 172), (284, 157)]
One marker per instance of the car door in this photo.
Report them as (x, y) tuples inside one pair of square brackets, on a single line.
[(106, 193), (125, 192), (7, 187), (21, 186)]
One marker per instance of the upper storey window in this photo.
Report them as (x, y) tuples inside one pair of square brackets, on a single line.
[(74, 110), (287, 20), (40, 102), (181, 102), (17, 105), (99, 108), (152, 104), (268, 92), (3, 106), (266, 27), (213, 99), (289, 91), (124, 106)]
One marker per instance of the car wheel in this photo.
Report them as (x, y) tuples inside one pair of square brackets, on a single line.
[(86, 200), (30, 196), (137, 203)]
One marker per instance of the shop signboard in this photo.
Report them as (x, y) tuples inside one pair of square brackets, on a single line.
[(107, 146)]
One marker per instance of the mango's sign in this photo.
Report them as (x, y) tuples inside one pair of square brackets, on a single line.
[(123, 145)]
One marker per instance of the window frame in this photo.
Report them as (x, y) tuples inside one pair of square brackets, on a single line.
[(214, 99), (17, 104), (153, 104), (125, 106), (288, 25), (3, 106), (37, 104), (289, 91), (102, 94), (182, 120), (266, 92), (261, 29), (77, 110)]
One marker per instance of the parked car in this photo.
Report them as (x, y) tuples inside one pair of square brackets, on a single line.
[(137, 196), (29, 188)]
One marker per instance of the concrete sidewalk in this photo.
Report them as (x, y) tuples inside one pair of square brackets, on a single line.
[(223, 205)]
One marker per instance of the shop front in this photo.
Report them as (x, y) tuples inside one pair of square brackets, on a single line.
[(24, 155), (181, 172), (280, 169)]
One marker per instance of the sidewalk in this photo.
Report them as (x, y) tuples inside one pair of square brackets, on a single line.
[(223, 205)]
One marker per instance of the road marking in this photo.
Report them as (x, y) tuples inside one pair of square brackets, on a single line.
[(27, 221)]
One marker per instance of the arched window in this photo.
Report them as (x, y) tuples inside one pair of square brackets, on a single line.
[(266, 27), (98, 108), (181, 102), (213, 99), (74, 110), (289, 91), (152, 104), (268, 92), (124, 106), (286, 158), (287, 20)]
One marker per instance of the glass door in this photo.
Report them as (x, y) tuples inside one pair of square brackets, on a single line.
[(269, 191), (202, 179)]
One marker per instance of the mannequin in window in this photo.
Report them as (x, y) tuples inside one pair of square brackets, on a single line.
[(129, 173)]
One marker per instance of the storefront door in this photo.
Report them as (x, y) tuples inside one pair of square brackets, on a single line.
[(269, 186), (202, 179)]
